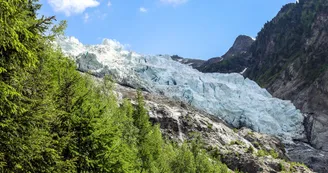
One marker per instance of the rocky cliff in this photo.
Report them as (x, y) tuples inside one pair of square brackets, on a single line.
[(238, 101), (240, 149), (290, 59), (235, 60)]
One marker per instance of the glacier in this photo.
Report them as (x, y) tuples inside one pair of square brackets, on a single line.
[(231, 97)]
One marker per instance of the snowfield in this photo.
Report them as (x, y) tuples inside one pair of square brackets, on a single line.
[(231, 97)]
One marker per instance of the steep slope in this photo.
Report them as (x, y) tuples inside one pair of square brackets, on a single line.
[(290, 60), (235, 60), (242, 150), (238, 101), (241, 45)]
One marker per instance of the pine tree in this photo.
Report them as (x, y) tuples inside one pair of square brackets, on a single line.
[(184, 161), (54, 119), (150, 140), (25, 143)]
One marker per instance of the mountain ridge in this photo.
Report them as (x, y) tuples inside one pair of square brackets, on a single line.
[(246, 103), (289, 58), (234, 60)]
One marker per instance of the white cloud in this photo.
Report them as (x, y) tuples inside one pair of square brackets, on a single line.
[(86, 17), (109, 4), (174, 2), (69, 7), (143, 10)]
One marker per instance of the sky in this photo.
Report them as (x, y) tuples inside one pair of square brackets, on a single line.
[(199, 29)]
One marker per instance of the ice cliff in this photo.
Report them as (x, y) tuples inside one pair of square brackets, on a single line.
[(231, 97)]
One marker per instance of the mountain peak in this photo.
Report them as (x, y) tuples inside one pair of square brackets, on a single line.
[(241, 44)]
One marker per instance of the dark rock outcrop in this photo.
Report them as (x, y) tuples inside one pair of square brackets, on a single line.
[(238, 149), (290, 59), (194, 63), (241, 45), (235, 60)]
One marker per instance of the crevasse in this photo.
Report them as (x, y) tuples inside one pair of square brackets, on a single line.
[(231, 97)]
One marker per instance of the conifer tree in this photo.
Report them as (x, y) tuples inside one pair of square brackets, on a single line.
[(54, 119), (25, 143)]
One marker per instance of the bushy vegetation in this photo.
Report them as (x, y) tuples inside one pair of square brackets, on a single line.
[(237, 142), (284, 41), (271, 152), (236, 63), (54, 119)]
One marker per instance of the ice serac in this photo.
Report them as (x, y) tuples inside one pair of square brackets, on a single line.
[(231, 97)]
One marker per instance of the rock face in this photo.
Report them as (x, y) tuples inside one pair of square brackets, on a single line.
[(194, 63), (302, 152), (238, 149), (235, 60), (241, 45), (290, 59), (295, 68), (231, 97)]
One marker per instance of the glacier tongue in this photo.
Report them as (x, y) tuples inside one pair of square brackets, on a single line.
[(231, 97)]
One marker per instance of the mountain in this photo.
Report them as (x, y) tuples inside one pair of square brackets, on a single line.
[(289, 58), (242, 149), (184, 100), (194, 63), (241, 45), (231, 97), (67, 114), (235, 60), (238, 101)]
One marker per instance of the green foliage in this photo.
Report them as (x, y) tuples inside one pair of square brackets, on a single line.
[(250, 133), (210, 126), (282, 167), (237, 171), (54, 119), (250, 149), (237, 142), (228, 65), (192, 158), (283, 44), (271, 152), (261, 153), (256, 144)]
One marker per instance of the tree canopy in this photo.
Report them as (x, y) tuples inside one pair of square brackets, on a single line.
[(54, 119)]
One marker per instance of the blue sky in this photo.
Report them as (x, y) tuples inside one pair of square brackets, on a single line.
[(189, 28)]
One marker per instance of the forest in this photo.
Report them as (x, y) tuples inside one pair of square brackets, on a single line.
[(56, 119)]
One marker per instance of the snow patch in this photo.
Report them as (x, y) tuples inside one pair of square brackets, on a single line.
[(244, 71)]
